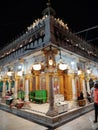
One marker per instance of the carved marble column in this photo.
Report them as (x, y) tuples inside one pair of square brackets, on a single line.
[(88, 87), (9, 85), (16, 87), (74, 92), (84, 88), (52, 110), (74, 89), (4, 88), (26, 88)]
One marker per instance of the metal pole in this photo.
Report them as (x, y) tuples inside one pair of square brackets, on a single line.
[(86, 30)]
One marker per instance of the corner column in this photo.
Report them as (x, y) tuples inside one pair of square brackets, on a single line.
[(52, 110)]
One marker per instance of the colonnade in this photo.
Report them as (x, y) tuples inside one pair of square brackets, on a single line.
[(69, 85)]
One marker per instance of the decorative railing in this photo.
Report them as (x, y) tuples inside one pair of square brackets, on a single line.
[(68, 40), (34, 32)]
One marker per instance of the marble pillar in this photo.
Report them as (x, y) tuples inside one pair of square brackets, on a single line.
[(16, 87), (52, 110), (27, 89), (4, 89)]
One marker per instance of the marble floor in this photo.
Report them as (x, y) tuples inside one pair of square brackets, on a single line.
[(9, 121), (84, 122)]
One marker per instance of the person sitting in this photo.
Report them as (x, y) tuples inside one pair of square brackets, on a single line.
[(81, 99), (9, 93), (18, 103), (80, 96)]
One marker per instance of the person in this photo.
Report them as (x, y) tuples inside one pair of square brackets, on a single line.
[(89, 97), (81, 95), (96, 100), (17, 103), (9, 93), (92, 91)]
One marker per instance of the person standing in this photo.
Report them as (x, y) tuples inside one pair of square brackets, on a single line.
[(96, 100), (89, 97), (92, 91)]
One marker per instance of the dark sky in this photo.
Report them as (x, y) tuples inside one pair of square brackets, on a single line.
[(16, 15)]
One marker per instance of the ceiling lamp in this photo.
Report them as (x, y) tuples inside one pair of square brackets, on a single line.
[(62, 66), (79, 72), (50, 57), (19, 73), (19, 67), (50, 61), (10, 72), (36, 66), (88, 71)]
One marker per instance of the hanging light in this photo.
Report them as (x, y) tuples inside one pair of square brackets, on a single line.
[(10, 72), (62, 66), (79, 72), (19, 70), (19, 73), (50, 61), (37, 67), (19, 67), (88, 71)]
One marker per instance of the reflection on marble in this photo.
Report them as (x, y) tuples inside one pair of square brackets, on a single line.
[(84, 122), (9, 121)]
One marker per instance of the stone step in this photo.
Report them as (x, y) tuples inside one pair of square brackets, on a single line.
[(50, 122)]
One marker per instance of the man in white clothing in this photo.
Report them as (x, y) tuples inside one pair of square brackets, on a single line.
[(92, 93)]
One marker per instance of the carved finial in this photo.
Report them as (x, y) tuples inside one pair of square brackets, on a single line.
[(49, 10), (48, 3)]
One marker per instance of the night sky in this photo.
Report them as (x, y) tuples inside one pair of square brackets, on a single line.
[(17, 15)]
